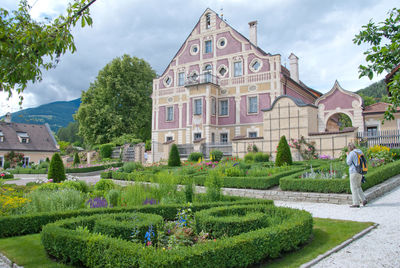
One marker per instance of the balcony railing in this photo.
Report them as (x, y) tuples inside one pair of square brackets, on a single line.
[(201, 79)]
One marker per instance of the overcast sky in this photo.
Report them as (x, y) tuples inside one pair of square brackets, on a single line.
[(319, 32)]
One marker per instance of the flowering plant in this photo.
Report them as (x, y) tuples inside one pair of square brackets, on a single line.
[(306, 150)]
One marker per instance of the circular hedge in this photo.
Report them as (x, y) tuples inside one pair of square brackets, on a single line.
[(282, 229)]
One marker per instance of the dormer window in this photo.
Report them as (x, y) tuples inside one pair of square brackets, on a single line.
[(208, 21), (23, 137)]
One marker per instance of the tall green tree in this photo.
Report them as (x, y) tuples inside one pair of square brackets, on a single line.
[(118, 102), (27, 46), (70, 133), (383, 53)]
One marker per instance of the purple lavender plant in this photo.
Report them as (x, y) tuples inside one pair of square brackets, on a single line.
[(97, 202), (150, 201)]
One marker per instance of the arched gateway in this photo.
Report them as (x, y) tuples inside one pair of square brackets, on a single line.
[(338, 100)]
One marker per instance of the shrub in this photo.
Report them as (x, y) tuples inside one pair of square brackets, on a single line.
[(106, 150), (72, 240), (6, 164), (214, 184), (195, 156), (77, 185), (261, 157), (113, 197), (234, 172), (395, 153), (56, 169), (77, 161), (44, 165), (283, 154), (174, 159), (249, 157), (59, 200), (132, 166), (216, 155), (104, 185)]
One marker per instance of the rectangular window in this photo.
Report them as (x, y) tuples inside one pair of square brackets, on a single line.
[(197, 136), (169, 138), (198, 107), (170, 113), (238, 68), (372, 131), (208, 46), (181, 79), (25, 161), (253, 105), (253, 134), (213, 137), (213, 106), (223, 107), (223, 137), (1, 161)]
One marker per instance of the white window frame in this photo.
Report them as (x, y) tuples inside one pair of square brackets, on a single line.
[(226, 69), (195, 133), (192, 47), (169, 138), (166, 118), (219, 42), (227, 137), (23, 160), (165, 81), (250, 132), (201, 106), (220, 108), (253, 62), (205, 46), (235, 73), (248, 104), (181, 78), (2, 161)]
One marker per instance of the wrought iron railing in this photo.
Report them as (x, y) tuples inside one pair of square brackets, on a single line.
[(201, 79)]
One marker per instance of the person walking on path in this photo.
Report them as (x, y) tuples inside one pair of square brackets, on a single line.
[(357, 193)]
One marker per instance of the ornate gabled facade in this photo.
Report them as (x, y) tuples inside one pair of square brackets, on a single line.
[(216, 86)]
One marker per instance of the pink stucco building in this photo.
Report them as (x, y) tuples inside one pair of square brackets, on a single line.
[(216, 86)]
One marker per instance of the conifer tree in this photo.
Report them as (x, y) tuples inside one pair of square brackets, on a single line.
[(174, 159), (283, 154), (56, 169)]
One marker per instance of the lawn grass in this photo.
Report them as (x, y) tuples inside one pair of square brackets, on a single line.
[(27, 251), (327, 233)]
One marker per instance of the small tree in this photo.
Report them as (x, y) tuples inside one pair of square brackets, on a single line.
[(77, 160), (174, 159), (56, 169), (283, 154)]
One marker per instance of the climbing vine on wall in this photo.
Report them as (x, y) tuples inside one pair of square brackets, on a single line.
[(306, 150)]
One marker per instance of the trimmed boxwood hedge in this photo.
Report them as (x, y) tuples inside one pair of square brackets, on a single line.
[(288, 230), (16, 225), (373, 177), (230, 182), (93, 168)]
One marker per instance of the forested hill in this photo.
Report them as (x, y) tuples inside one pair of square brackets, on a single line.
[(376, 90), (56, 114)]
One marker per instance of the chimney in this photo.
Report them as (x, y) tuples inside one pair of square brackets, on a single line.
[(253, 32), (294, 67), (8, 118)]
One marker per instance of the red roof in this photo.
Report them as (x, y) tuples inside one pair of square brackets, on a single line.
[(379, 107)]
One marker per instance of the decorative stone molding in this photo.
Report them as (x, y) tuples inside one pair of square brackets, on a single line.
[(194, 49), (226, 71), (222, 42), (253, 62), (252, 88)]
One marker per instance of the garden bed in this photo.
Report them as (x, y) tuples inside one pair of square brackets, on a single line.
[(281, 230), (373, 177)]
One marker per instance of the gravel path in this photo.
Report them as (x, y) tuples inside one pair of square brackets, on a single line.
[(380, 247)]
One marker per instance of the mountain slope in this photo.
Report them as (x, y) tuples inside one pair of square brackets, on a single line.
[(376, 90), (56, 114)]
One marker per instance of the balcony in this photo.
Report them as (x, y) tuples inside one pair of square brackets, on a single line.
[(201, 79)]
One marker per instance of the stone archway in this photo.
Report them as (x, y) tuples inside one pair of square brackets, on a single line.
[(339, 101), (338, 122)]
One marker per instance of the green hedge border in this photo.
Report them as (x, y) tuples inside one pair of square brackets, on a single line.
[(293, 228), (7, 177), (373, 177), (68, 170), (16, 225), (261, 183)]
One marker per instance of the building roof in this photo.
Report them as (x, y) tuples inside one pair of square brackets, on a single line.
[(40, 137), (377, 108)]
